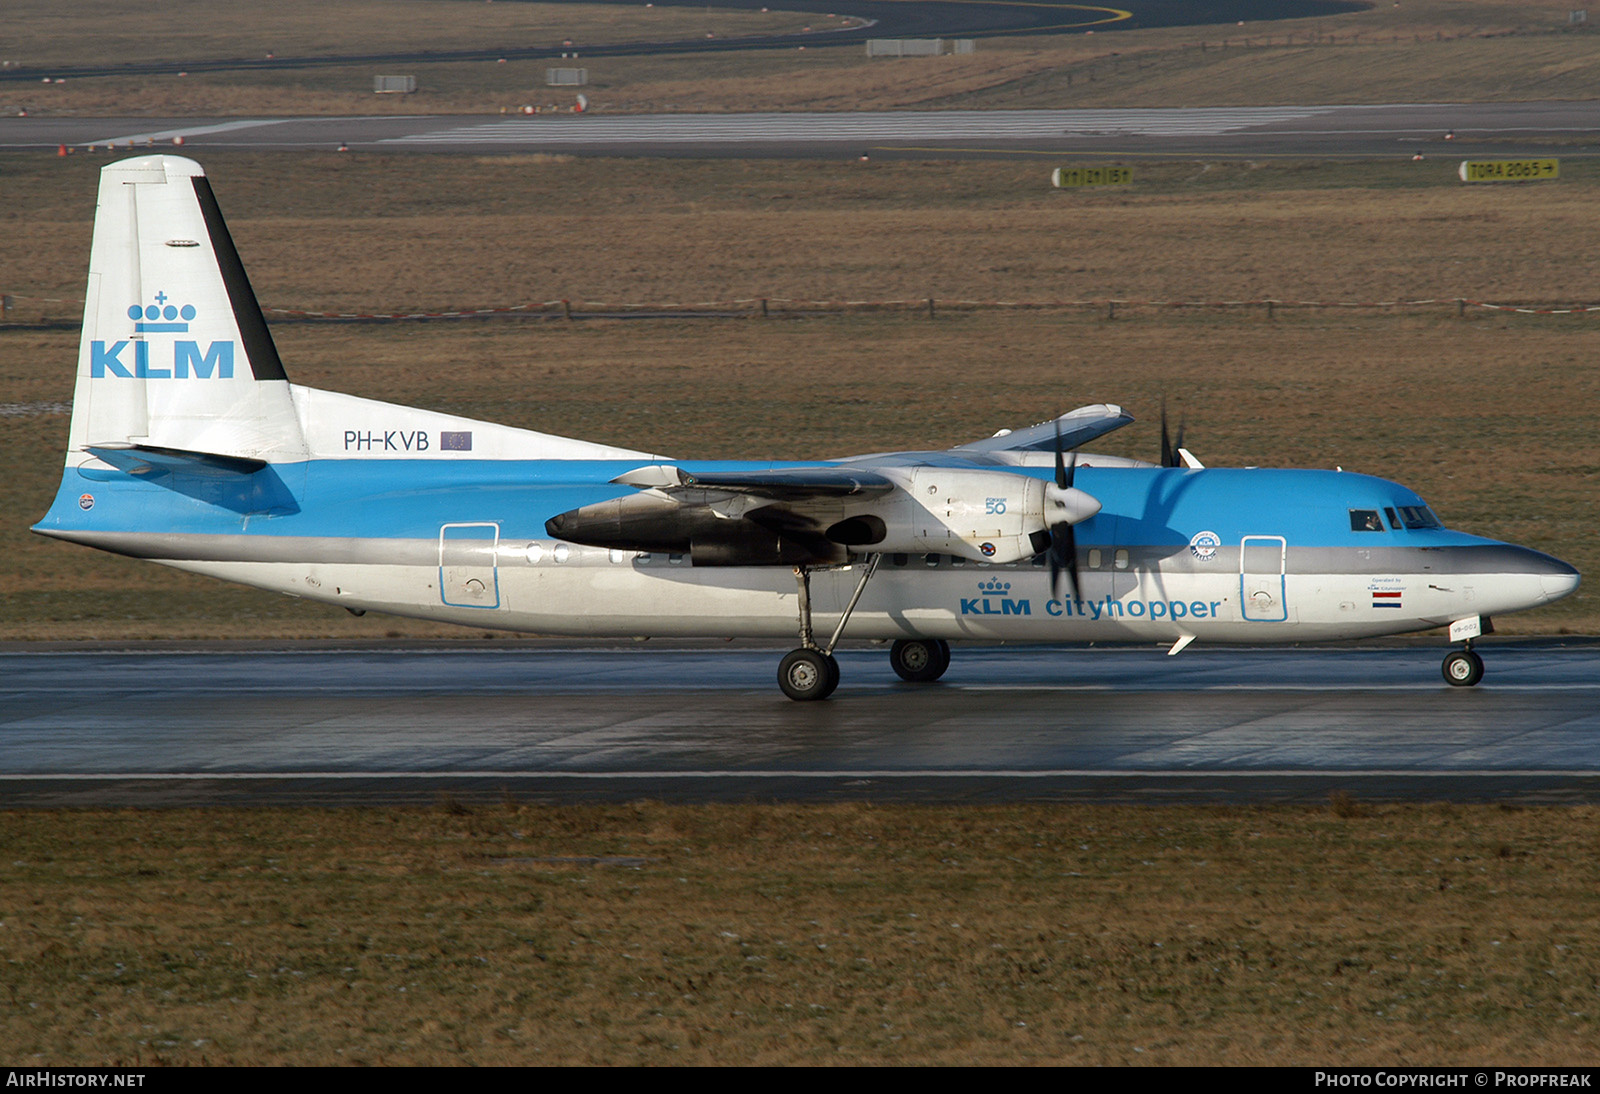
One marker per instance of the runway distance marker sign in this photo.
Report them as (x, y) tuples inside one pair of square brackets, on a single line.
[(1068, 177), (1509, 170)]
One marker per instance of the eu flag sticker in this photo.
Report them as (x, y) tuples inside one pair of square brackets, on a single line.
[(455, 442)]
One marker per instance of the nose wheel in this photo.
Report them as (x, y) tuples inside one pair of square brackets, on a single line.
[(1463, 668)]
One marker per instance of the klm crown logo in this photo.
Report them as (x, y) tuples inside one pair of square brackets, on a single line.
[(992, 599), (148, 317)]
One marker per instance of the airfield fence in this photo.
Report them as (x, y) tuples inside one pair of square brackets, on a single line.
[(20, 310)]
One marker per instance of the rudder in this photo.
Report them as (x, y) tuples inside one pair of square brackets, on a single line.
[(175, 352)]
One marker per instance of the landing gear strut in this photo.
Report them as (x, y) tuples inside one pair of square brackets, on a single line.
[(811, 672), (919, 661), (1463, 668)]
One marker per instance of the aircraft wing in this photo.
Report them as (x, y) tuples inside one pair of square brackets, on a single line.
[(790, 484), (1077, 427)]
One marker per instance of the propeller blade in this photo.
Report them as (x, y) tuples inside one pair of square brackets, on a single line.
[(1169, 449), (1061, 468), (1063, 558), (1169, 458)]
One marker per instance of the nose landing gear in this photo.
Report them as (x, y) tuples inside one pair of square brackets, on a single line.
[(1463, 668)]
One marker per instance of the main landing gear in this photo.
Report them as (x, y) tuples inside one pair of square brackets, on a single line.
[(921, 660), (811, 672)]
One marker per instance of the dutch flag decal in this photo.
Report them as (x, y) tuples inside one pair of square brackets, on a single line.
[(1386, 598)]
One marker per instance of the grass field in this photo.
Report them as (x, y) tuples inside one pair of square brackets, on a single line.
[(1419, 51), (1447, 935), (1490, 416)]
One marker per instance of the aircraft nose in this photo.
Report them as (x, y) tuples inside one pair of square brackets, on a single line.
[(1559, 584), (1556, 578)]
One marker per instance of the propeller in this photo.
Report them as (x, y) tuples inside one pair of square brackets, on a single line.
[(1064, 507), (1170, 450), (1173, 454)]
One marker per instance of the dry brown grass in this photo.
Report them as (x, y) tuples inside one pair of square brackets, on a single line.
[(39, 33), (1491, 417), (1423, 51), (655, 231), (1454, 935)]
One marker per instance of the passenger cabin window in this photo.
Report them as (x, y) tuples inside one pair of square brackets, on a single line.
[(1120, 559), (1094, 558), (1365, 520)]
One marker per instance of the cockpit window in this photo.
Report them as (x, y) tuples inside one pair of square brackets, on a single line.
[(1394, 518), (1419, 516), (1365, 520)]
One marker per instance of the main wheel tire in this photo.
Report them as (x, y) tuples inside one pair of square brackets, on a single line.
[(805, 675), (1462, 668), (919, 661)]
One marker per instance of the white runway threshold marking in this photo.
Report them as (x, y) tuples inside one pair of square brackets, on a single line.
[(186, 133), (864, 126)]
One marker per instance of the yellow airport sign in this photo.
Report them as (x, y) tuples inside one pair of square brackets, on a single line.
[(1067, 177), (1509, 170)]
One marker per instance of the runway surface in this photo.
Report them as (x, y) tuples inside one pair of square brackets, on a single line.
[(696, 723), (1475, 130)]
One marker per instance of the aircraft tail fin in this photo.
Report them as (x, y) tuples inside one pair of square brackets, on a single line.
[(175, 352)]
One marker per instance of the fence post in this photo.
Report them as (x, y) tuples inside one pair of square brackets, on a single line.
[(5, 306), (763, 307), (1269, 311), (566, 308), (1111, 309), (1461, 308), (930, 307)]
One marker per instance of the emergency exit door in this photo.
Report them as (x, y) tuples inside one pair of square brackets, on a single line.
[(1261, 578), (468, 576)]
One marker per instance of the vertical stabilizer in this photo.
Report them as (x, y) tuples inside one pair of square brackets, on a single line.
[(175, 352)]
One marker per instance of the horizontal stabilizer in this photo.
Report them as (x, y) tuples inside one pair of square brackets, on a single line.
[(138, 459), (237, 483)]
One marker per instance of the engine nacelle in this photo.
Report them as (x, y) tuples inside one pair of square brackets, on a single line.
[(987, 516)]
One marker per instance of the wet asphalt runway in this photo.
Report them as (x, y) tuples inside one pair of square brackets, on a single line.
[(704, 723)]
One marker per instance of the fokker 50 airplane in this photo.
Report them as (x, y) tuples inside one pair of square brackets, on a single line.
[(190, 447)]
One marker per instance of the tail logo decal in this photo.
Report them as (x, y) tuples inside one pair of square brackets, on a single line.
[(216, 362), (151, 313), (187, 360)]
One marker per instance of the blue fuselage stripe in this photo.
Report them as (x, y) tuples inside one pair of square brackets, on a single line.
[(412, 498)]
